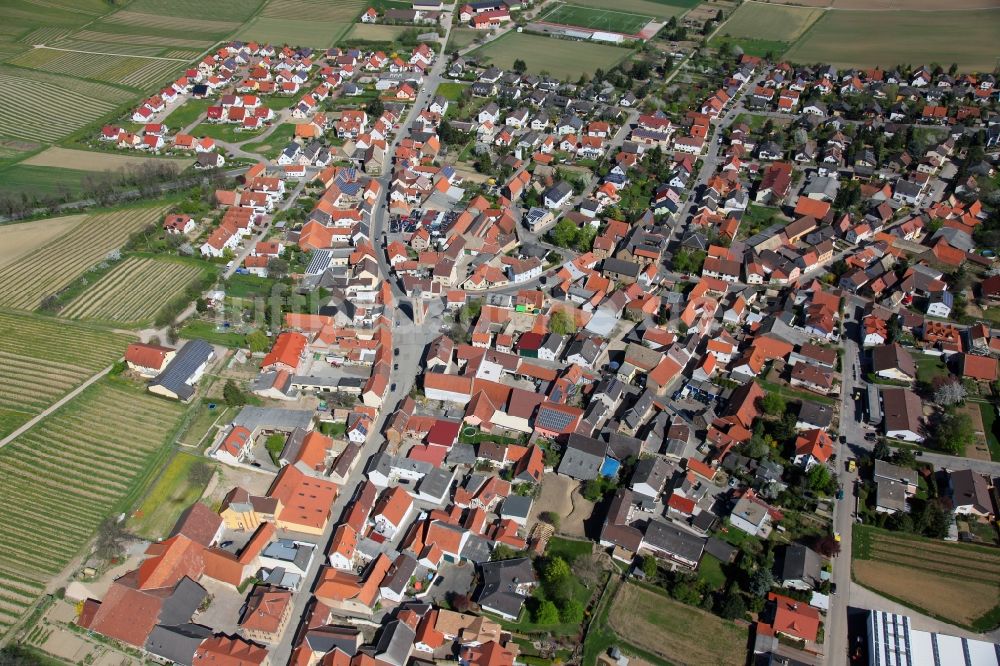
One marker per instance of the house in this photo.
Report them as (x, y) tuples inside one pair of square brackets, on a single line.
[(506, 585), (978, 368), (800, 568), (940, 304), (970, 494), (893, 362), (676, 545), (784, 615), (179, 376), (583, 457), (266, 614), (147, 360), (751, 515), (813, 447), (178, 224), (902, 412), (558, 195), (392, 512)]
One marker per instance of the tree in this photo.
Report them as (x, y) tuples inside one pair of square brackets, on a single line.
[(773, 404), (820, 480), (556, 569), (649, 567), (936, 521), (881, 451), (760, 582), (520, 66), (258, 342), (950, 393), (460, 602), (563, 233), (550, 517), (503, 552), (200, 473), (375, 107), (733, 606), (828, 546), (111, 536), (277, 267), (561, 323), (546, 613), (233, 394), (571, 612), (953, 432)]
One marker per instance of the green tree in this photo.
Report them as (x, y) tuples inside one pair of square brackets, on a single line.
[(258, 342), (649, 567), (546, 613), (760, 582), (233, 394), (820, 479), (111, 536), (953, 432), (571, 612), (556, 569), (520, 66), (563, 233), (773, 404), (733, 606), (561, 323)]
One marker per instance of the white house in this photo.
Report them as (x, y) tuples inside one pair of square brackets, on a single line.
[(751, 517), (392, 512)]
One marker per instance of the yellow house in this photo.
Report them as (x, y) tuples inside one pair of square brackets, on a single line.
[(243, 511)]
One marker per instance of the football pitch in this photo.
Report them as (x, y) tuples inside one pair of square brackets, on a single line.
[(597, 19)]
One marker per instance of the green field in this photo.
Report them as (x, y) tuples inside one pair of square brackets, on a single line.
[(462, 37), (171, 495), (26, 282), (451, 91), (43, 359), (272, 145), (889, 38), (228, 132), (779, 23), (316, 23), (559, 57), (62, 478), (596, 19), (134, 291), (41, 181), (662, 9)]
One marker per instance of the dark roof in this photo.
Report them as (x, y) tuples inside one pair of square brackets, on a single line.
[(801, 563), (674, 541), (181, 369), (500, 581), (583, 457), (176, 643)]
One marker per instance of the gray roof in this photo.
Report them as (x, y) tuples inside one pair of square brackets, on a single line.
[(720, 549), (815, 414), (182, 368), (886, 470), (500, 581), (654, 472), (801, 564), (674, 541), (890, 495), (621, 267), (435, 483), (287, 550), (273, 418), (399, 575), (324, 639), (183, 601), (177, 643), (476, 549), (516, 506), (583, 457), (462, 454), (395, 643)]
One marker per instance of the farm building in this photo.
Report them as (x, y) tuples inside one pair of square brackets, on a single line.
[(180, 375)]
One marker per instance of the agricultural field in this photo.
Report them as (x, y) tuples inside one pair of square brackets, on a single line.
[(138, 71), (84, 160), (675, 631), (41, 181), (596, 19), (316, 23), (81, 464), (16, 598), (373, 32), (27, 281), (559, 57), (42, 359), (461, 37), (661, 9), (889, 562), (888, 38), (134, 291), (760, 21), (19, 239), (36, 110)]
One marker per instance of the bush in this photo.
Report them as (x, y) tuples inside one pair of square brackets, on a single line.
[(233, 394), (550, 517), (546, 613)]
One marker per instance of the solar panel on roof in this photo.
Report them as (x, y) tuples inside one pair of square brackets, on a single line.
[(551, 419)]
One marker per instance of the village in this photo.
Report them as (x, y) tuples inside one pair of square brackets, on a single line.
[(549, 347)]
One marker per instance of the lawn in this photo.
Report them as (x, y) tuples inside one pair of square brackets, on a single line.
[(710, 571), (889, 562), (274, 143), (368, 32), (929, 367), (197, 328), (754, 47), (757, 217), (674, 631), (462, 37), (596, 19), (991, 426), (177, 488), (559, 57), (525, 625), (201, 423), (187, 113), (568, 549), (888, 38), (794, 394), (228, 132), (450, 90)]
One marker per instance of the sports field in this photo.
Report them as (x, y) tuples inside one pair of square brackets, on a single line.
[(661, 9), (889, 38), (770, 22), (43, 359), (87, 461), (675, 631), (889, 562), (559, 57), (610, 20), (134, 291), (27, 281)]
